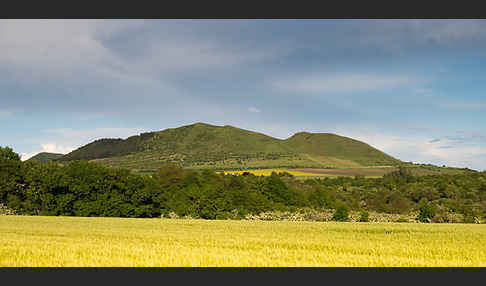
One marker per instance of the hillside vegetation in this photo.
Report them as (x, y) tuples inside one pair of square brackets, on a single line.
[(204, 146), (45, 157)]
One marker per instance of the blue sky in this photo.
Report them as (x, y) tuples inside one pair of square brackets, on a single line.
[(412, 88)]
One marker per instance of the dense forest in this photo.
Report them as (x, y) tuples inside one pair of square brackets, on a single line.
[(82, 188)]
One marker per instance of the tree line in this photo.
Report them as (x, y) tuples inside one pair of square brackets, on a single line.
[(82, 188)]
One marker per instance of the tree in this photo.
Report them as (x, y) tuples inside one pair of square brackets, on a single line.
[(341, 214), (11, 181), (7, 154), (321, 198), (277, 190), (426, 212), (365, 217), (170, 175)]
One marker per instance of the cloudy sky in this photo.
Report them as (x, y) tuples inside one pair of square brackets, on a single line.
[(412, 88)]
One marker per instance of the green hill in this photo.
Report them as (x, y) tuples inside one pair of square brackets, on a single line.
[(45, 157), (327, 146), (202, 145)]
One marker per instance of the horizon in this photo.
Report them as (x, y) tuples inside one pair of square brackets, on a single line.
[(410, 88)]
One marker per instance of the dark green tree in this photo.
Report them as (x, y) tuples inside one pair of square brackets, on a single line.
[(341, 214), (364, 216), (11, 179), (426, 212)]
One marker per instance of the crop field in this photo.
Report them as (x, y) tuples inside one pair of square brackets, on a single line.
[(348, 172), (369, 172), (316, 172), (77, 241), (268, 172)]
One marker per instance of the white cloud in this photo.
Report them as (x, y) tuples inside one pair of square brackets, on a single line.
[(65, 48), (254, 109), (327, 83), (54, 148), (425, 149), (45, 47)]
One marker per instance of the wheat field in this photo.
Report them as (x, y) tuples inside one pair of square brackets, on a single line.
[(77, 241)]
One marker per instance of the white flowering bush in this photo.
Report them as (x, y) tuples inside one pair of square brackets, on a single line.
[(5, 211)]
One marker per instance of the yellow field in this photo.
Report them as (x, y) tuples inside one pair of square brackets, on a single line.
[(268, 172), (75, 241)]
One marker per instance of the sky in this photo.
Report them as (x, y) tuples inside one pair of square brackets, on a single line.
[(414, 89)]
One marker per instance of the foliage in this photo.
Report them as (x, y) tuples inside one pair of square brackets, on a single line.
[(341, 214), (7, 154), (426, 212), (82, 188), (45, 157), (364, 217)]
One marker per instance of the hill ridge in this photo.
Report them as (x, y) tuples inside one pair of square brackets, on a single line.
[(202, 145), (45, 157)]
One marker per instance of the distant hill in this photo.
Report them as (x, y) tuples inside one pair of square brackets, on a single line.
[(45, 157), (203, 145), (348, 151)]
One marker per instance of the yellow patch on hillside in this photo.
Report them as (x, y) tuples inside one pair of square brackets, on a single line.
[(268, 172)]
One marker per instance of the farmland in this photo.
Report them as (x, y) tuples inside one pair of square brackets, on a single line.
[(315, 172), (80, 241), (268, 172)]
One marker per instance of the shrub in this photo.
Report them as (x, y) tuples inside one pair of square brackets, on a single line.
[(341, 214), (468, 219), (4, 210), (426, 212), (365, 217)]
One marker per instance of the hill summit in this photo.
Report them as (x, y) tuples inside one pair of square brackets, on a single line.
[(202, 145), (45, 157)]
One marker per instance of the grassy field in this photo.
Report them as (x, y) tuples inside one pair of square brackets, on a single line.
[(76, 241)]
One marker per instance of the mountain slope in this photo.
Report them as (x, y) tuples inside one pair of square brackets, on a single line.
[(202, 145), (338, 147), (45, 157), (105, 148)]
